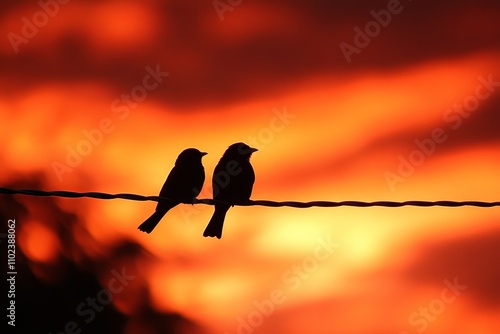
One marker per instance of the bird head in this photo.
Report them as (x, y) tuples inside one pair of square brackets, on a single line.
[(239, 151), (190, 155)]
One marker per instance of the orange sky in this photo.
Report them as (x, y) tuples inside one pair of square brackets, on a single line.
[(413, 116)]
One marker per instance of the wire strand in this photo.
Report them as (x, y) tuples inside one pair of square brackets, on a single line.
[(293, 204)]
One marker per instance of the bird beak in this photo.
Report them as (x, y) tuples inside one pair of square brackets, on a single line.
[(203, 153), (253, 149)]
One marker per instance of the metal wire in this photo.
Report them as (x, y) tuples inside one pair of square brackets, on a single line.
[(293, 204)]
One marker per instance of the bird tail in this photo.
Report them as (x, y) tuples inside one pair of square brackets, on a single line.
[(150, 223), (214, 227)]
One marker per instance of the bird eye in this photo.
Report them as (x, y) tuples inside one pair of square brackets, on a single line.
[(244, 149)]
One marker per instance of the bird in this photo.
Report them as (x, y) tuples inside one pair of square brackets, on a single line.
[(183, 184), (232, 183)]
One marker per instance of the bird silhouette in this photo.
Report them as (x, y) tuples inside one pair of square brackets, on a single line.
[(183, 184), (232, 183)]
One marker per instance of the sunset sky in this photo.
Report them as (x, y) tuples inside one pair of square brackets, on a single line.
[(345, 100)]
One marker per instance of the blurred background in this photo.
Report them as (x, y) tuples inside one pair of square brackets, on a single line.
[(363, 100)]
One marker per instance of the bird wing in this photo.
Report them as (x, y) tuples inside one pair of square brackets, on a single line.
[(236, 187), (183, 183)]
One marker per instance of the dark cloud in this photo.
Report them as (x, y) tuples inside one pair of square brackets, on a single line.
[(472, 260), (480, 127), (207, 68)]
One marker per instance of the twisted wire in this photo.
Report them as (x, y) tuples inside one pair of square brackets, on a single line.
[(293, 204)]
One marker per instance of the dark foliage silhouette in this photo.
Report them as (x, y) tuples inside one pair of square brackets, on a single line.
[(183, 184), (232, 183)]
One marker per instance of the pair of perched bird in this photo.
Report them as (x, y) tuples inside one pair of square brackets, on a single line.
[(232, 183)]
